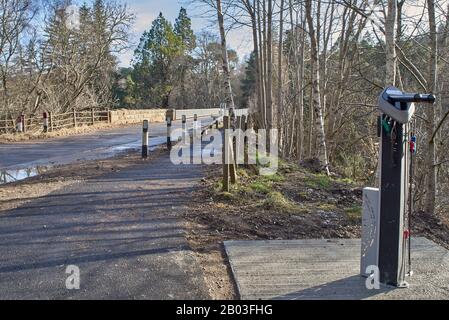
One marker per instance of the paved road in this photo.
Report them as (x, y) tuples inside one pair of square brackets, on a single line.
[(120, 229), (102, 144)]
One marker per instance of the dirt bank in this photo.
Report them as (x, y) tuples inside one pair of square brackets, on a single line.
[(297, 203)]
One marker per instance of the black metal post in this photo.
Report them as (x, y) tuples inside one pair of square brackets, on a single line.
[(169, 133), (392, 198), (145, 128)]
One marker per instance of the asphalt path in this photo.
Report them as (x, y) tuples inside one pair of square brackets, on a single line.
[(121, 230)]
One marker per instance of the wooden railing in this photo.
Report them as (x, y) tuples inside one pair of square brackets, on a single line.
[(56, 121)]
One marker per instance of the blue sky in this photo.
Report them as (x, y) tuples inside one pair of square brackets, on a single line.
[(148, 10)]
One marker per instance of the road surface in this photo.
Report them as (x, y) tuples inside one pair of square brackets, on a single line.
[(122, 230), (102, 144)]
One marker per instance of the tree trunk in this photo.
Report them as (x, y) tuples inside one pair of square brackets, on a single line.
[(269, 59), (390, 43), (259, 96), (316, 101), (429, 202), (224, 52), (300, 83), (262, 65), (280, 54)]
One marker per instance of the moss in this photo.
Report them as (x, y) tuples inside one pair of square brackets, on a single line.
[(318, 181), (262, 161), (327, 207), (227, 196), (264, 184), (242, 173), (354, 213), (287, 167), (261, 187), (245, 190), (323, 181), (276, 200), (272, 178), (347, 181)]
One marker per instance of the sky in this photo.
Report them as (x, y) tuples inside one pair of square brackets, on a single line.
[(147, 10)]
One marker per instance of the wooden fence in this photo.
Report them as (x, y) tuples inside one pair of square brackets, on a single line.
[(73, 119), (56, 121)]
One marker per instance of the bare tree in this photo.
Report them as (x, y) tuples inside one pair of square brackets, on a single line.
[(15, 16), (316, 100), (390, 43), (224, 51), (431, 179)]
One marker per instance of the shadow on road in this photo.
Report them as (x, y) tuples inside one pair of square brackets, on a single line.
[(121, 229)]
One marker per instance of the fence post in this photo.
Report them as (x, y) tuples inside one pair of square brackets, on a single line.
[(22, 118), (45, 121), (169, 132), (225, 155), (244, 125), (92, 112), (50, 115), (145, 129), (18, 124), (184, 128), (233, 165), (109, 115), (74, 118)]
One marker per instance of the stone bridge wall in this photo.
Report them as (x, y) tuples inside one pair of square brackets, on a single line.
[(125, 116)]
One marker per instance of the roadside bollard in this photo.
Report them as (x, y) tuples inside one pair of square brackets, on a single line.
[(145, 139), (169, 133), (195, 125), (244, 127), (184, 128), (45, 121)]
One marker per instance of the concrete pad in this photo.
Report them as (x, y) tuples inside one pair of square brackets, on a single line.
[(329, 269)]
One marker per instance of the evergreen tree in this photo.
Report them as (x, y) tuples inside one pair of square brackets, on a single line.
[(248, 84), (155, 62), (183, 29)]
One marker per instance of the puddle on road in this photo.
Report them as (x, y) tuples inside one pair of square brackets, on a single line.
[(8, 176), (38, 167)]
